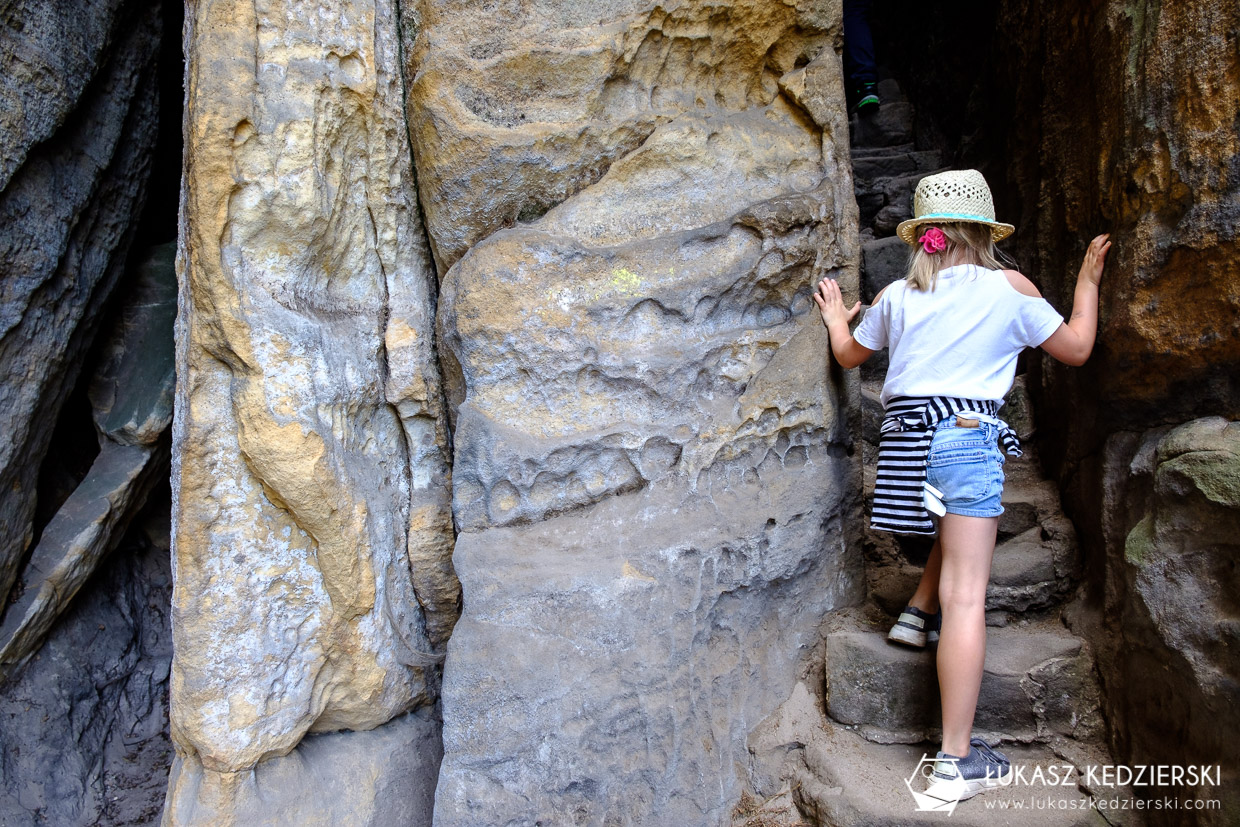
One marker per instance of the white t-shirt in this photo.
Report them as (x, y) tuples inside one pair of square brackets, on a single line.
[(961, 339)]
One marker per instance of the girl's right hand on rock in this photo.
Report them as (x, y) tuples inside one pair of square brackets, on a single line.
[(1095, 259), (830, 303)]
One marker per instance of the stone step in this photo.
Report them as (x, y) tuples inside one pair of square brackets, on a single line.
[(883, 260), (869, 204), (890, 92), (889, 217), (1030, 571), (1021, 581), (848, 781), (881, 151), (887, 165), (1023, 576), (1018, 515), (896, 204), (1038, 682), (892, 124)]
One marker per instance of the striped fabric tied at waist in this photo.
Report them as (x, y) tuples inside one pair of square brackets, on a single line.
[(904, 445)]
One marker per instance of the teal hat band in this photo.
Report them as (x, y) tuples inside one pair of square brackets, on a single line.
[(953, 215)]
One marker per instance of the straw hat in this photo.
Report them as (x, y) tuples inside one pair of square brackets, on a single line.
[(957, 195)]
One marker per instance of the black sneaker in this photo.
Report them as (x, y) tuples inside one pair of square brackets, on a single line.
[(955, 778), (867, 99), (916, 628)]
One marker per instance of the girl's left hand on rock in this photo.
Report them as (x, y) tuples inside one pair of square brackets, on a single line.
[(830, 303), (1095, 259)]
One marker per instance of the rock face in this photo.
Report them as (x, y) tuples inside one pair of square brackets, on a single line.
[(650, 471), (76, 133), (384, 776), (84, 638), (513, 109), (1137, 105), (520, 292), (83, 729), (314, 590), (1128, 148), (131, 395), (647, 435), (1172, 517)]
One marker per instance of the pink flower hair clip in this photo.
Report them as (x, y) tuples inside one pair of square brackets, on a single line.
[(933, 241)]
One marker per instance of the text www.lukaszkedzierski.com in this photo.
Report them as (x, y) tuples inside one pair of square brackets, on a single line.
[(1090, 802)]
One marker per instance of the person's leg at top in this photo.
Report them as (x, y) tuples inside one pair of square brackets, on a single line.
[(859, 62)]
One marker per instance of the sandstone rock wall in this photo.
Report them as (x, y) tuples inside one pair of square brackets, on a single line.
[(84, 728), (627, 207), (520, 291), (84, 641), (314, 590), (1142, 143), (631, 203), (77, 126), (1174, 514), (1134, 108)]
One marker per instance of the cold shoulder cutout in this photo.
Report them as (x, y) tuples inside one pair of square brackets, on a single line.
[(1022, 284)]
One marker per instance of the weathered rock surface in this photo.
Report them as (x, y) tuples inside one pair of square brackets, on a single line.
[(132, 387), (1172, 500), (381, 778), (131, 394), (513, 109), (84, 640), (650, 471), (314, 589), (841, 778), (627, 204), (84, 723), (1128, 148), (83, 531), (1137, 105), (77, 127)]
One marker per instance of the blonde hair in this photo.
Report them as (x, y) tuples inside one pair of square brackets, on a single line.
[(967, 243)]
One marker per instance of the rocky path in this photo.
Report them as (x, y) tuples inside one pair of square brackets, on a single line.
[(1039, 699)]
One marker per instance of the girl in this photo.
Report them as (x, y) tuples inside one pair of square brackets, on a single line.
[(954, 328)]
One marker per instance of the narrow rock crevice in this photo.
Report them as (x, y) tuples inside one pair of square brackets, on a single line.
[(85, 641)]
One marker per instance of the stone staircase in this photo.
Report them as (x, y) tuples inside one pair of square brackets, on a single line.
[(1039, 700), (886, 168)]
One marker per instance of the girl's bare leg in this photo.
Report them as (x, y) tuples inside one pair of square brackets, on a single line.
[(926, 597), (967, 547)]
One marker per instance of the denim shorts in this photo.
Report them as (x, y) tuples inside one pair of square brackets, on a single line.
[(966, 464)]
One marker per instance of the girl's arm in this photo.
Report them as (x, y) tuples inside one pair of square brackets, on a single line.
[(848, 351), (1073, 342)]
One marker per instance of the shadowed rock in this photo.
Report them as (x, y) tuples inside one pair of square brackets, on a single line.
[(77, 130), (132, 398)]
